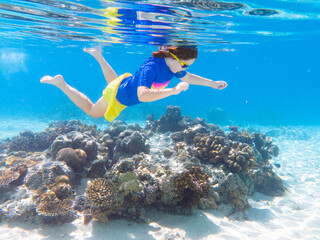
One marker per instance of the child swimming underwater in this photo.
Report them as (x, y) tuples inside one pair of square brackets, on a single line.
[(147, 85)]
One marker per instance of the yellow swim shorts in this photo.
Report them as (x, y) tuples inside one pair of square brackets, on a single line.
[(109, 94)]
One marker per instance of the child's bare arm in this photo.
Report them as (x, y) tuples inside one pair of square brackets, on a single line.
[(197, 80), (149, 95)]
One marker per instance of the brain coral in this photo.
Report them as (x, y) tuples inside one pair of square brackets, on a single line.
[(73, 158), (101, 192)]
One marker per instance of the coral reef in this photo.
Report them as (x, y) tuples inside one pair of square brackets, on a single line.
[(174, 164)]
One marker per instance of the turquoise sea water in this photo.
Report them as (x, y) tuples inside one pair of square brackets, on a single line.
[(267, 52), (269, 57)]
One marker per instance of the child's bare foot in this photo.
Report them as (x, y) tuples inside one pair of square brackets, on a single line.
[(92, 51), (57, 80)]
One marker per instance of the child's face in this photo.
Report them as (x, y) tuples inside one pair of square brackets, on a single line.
[(189, 62), (175, 66)]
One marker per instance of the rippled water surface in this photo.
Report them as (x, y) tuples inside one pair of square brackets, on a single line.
[(267, 51), (209, 23)]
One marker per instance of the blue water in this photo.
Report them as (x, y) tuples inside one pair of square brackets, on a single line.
[(271, 63)]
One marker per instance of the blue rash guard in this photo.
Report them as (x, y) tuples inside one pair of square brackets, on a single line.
[(154, 74)]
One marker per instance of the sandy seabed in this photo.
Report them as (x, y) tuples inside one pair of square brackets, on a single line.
[(293, 216)]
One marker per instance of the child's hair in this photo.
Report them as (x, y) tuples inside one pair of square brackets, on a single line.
[(183, 52)]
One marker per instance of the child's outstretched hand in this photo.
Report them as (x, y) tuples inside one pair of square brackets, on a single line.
[(219, 85), (183, 86)]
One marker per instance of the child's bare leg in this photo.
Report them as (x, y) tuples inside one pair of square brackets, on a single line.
[(82, 101), (108, 72)]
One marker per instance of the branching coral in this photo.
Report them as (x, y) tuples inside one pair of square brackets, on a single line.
[(211, 148), (260, 141), (217, 149), (240, 157), (101, 192)]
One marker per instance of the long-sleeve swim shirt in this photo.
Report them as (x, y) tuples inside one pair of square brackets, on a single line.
[(154, 73)]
